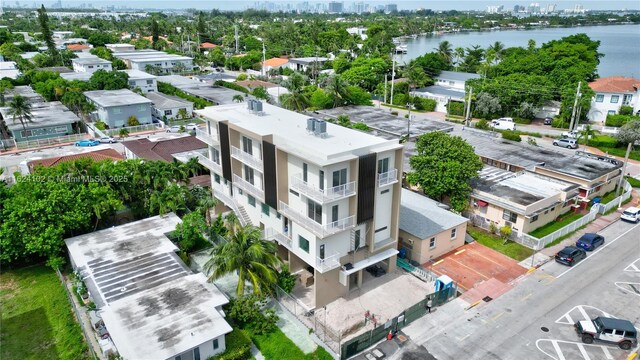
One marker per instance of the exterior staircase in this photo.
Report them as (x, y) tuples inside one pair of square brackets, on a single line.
[(242, 215)]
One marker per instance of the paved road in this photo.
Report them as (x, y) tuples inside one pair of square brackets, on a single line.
[(534, 320)]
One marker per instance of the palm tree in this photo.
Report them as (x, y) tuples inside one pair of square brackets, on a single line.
[(586, 133), (459, 55), (498, 50), (232, 222), (250, 256), (20, 109), (338, 88), (445, 51), (238, 98), (295, 99)]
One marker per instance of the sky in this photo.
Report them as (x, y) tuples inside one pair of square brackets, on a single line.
[(402, 4)]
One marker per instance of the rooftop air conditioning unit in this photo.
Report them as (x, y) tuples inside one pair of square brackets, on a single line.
[(311, 125), (321, 128), (257, 106)]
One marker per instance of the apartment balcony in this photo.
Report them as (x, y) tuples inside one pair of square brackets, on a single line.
[(322, 196), (281, 238), (319, 230), (246, 158), (205, 137), (248, 187), (328, 263), (388, 178), (209, 164)]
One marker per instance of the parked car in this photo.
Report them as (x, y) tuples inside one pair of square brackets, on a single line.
[(501, 124), (570, 134), (107, 140), (191, 126), (631, 214), (590, 241), (375, 270), (615, 331), (174, 129), (548, 120), (570, 255), (90, 142), (566, 142), (507, 119)]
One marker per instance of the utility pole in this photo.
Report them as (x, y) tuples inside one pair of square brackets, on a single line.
[(575, 107), (264, 52), (468, 115), (624, 168), (236, 30), (393, 75), (385, 88), (409, 120)]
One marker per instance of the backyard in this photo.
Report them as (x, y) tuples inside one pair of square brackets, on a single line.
[(37, 318), (511, 249), (562, 221)]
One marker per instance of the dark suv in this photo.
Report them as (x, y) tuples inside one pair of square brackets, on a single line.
[(590, 241), (570, 255), (616, 331)]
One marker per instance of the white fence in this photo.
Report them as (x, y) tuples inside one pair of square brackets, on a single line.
[(51, 141), (545, 240), (132, 129), (613, 204)]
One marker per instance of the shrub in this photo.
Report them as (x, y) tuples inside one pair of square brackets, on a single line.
[(394, 113), (406, 116), (493, 228), (422, 104), (455, 108), (482, 125), (560, 123), (603, 141), (242, 77), (232, 86), (245, 311), (619, 120), (100, 125), (519, 120), (626, 110), (286, 280), (238, 346), (511, 135), (531, 141), (133, 121), (360, 126), (505, 232)]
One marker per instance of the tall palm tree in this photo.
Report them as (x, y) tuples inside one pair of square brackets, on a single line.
[(250, 256), (238, 98), (445, 51), (232, 222), (459, 56), (295, 99), (498, 50), (586, 133), (337, 87), (20, 109)]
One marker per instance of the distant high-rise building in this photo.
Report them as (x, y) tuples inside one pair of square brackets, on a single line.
[(359, 7), (335, 7), (516, 8), (495, 9), (391, 8), (551, 8)]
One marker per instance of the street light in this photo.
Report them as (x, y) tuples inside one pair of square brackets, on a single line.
[(409, 122)]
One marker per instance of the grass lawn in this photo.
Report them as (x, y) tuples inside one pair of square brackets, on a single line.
[(562, 221), (37, 318), (621, 152), (511, 249), (633, 182), (277, 346), (606, 198)]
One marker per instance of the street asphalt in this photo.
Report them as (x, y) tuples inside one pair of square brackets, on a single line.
[(535, 319)]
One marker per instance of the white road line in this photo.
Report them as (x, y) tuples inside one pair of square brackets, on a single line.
[(567, 320), (597, 251), (632, 267), (584, 313), (634, 288), (556, 347), (607, 353), (584, 353)]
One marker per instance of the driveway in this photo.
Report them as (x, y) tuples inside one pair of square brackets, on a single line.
[(478, 270)]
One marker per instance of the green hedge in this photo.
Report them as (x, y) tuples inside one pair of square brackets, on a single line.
[(456, 108), (232, 86), (560, 124), (603, 141), (519, 120), (511, 135), (633, 181), (423, 104), (238, 347), (619, 120)]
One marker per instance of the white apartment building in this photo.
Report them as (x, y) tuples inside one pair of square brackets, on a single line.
[(120, 47), (611, 94), (90, 64), (328, 195), (140, 79), (159, 61)]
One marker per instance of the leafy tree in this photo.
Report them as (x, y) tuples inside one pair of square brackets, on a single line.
[(191, 231), (251, 257), (246, 312), (320, 99), (432, 64), (201, 26), (100, 38), (358, 96), (142, 43), (133, 121), (505, 232), (123, 133), (487, 105), (75, 100), (261, 93), (20, 109), (155, 33), (10, 51), (109, 80), (444, 166), (526, 110), (47, 34), (242, 77), (338, 89), (216, 56), (626, 110), (629, 133), (286, 280)]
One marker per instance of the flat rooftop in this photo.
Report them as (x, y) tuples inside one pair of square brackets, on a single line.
[(43, 114), (442, 91), (216, 94), (148, 55), (384, 122), (163, 101), (289, 133), (424, 217), (139, 75), (90, 61), (308, 60), (523, 188), (84, 76), (110, 98)]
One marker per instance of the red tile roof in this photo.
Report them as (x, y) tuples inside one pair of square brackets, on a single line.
[(615, 84), (77, 47), (164, 149), (275, 62), (99, 155), (208, 45)]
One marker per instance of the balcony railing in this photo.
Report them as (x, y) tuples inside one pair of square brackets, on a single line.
[(388, 178), (319, 230), (243, 184), (210, 164), (280, 237), (246, 158), (210, 139), (328, 263), (322, 196)]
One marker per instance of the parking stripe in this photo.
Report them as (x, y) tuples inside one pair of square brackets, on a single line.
[(556, 347), (607, 353), (584, 353), (584, 313)]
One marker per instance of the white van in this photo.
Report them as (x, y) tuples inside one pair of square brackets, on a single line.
[(631, 214), (503, 124)]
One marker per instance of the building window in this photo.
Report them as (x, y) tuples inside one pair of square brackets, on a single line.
[(305, 172), (432, 243), (384, 191), (90, 66), (251, 200), (167, 112), (534, 218), (196, 353), (216, 177), (216, 156), (611, 112), (453, 233), (247, 145), (599, 98), (294, 192), (178, 357), (248, 174), (216, 345), (626, 99), (334, 213), (509, 216), (383, 165), (303, 243), (615, 98), (149, 82), (314, 211), (142, 108), (321, 181), (339, 177), (265, 209), (356, 240), (132, 83), (381, 229), (117, 110)]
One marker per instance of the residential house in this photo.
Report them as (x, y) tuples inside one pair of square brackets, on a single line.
[(114, 107), (274, 90), (207, 46), (8, 69), (273, 63), (611, 94), (167, 107), (62, 35), (48, 120), (359, 31), (156, 61), (142, 80), (79, 47), (98, 155), (90, 64), (218, 95), (307, 63), (523, 201), (449, 86), (120, 47), (428, 229), (181, 148), (328, 195), (23, 90), (152, 305)]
